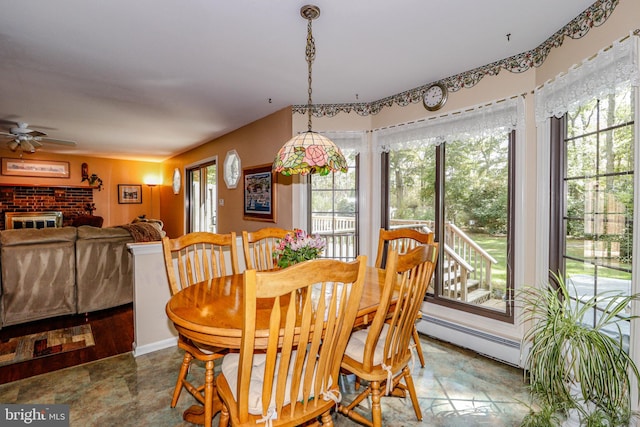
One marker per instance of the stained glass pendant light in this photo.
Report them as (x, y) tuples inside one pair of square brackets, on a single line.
[(309, 152)]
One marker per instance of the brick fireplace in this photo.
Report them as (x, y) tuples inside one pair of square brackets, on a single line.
[(71, 201)]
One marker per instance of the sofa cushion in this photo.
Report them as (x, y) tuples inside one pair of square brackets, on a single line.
[(26, 236), (89, 232), (38, 274), (104, 268)]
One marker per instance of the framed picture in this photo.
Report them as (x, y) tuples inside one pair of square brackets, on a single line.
[(129, 193), (39, 168), (259, 193)]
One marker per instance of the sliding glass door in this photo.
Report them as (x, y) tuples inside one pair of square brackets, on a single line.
[(202, 195)]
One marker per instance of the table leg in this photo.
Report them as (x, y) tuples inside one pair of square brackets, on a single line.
[(194, 415)]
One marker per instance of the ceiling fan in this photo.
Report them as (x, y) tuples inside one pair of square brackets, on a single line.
[(28, 140)]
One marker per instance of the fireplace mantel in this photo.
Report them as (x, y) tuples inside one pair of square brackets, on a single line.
[(47, 185)]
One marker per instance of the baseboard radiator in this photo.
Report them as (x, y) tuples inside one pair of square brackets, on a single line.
[(493, 346)]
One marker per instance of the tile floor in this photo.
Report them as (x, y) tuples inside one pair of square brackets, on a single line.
[(456, 388)]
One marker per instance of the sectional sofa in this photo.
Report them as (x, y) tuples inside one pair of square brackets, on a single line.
[(60, 271)]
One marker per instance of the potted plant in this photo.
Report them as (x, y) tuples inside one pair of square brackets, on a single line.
[(93, 180), (579, 374)]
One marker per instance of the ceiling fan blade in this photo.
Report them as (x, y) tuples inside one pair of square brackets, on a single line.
[(58, 141), (35, 133)]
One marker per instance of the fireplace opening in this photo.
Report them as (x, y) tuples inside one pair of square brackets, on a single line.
[(18, 220)]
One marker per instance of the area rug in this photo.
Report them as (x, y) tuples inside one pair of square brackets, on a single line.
[(42, 344)]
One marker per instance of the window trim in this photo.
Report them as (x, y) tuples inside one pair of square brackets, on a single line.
[(509, 315), (357, 189), (188, 169)]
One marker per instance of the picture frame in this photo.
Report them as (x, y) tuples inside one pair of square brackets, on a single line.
[(129, 194), (259, 193), (35, 168)]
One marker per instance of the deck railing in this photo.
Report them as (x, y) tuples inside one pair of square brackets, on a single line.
[(340, 235), (465, 261), (479, 259)]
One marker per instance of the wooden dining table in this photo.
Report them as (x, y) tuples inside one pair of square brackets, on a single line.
[(210, 312)]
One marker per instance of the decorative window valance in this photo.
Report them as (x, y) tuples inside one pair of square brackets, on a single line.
[(595, 77), (504, 115)]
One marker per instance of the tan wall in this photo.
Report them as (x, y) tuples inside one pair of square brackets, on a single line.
[(112, 172), (257, 144), (625, 19)]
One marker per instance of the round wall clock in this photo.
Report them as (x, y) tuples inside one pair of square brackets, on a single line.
[(176, 181), (434, 97), (232, 169)]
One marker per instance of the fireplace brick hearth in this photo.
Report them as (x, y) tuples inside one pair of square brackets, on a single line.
[(71, 201)]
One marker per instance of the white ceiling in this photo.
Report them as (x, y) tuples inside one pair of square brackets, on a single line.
[(147, 79)]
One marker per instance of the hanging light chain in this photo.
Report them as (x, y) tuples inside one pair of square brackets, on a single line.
[(309, 152), (311, 55)]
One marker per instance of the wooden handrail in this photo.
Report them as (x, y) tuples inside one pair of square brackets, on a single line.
[(471, 242), (458, 259)]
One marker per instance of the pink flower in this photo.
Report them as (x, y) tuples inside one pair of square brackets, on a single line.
[(315, 155), (298, 246)]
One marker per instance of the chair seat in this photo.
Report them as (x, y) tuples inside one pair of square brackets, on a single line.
[(198, 350), (355, 346), (229, 369), (354, 356)]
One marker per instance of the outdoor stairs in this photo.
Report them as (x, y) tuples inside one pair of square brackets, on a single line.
[(453, 287)]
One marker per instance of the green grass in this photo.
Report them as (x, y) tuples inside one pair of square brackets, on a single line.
[(496, 246)]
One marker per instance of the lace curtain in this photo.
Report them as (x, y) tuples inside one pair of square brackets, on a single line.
[(483, 120), (348, 140), (595, 77)]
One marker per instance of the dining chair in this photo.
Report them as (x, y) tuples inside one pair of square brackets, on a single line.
[(402, 240), (381, 353), (190, 259), (258, 247), (297, 322)]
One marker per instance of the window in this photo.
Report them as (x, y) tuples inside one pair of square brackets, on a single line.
[(593, 153), (333, 201), (202, 195), (476, 229), (455, 178), (589, 118)]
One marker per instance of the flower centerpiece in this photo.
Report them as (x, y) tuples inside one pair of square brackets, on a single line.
[(297, 247)]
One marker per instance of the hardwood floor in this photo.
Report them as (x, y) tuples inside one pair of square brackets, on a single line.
[(112, 333)]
